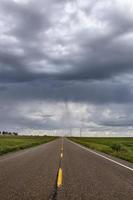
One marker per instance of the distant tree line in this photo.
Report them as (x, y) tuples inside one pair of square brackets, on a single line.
[(8, 133)]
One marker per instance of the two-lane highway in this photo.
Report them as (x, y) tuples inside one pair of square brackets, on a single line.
[(64, 171)]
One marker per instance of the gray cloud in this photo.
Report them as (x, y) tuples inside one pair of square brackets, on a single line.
[(91, 92), (57, 51)]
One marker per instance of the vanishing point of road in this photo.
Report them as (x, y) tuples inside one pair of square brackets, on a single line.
[(63, 170)]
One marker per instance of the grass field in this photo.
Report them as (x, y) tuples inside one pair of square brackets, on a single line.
[(119, 147), (14, 143)]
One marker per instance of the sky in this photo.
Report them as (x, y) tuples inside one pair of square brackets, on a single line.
[(67, 66)]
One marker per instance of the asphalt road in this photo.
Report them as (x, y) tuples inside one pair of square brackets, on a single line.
[(33, 174), (29, 174)]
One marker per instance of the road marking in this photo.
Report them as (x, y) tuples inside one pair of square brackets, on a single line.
[(61, 155), (59, 180), (98, 154), (62, 144), (60, 176)]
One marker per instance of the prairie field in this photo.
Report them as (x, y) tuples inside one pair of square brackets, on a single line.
[(121, 147), (14, 143)]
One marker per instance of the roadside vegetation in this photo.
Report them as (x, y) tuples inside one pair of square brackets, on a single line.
[(14, 143), (119, 147)]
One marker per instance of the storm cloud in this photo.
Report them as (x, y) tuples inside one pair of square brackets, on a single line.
[(66, 59)]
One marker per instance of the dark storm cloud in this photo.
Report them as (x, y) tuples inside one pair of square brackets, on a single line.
[(29, 19), (51, 90), (66, 51), (3, 88), (99, 55)]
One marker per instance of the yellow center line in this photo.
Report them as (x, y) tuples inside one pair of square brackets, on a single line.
[(60, 175), (59, 180), (62, 145), (61, 155)]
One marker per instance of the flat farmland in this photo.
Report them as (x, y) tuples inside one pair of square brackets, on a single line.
[(119, 147), (14, 143)]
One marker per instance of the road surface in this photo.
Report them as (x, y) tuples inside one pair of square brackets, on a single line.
[(64, 171)]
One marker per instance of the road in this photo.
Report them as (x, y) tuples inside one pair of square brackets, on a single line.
[(64, 171)]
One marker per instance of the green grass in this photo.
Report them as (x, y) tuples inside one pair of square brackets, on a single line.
[(14, 143), (119, 147)]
